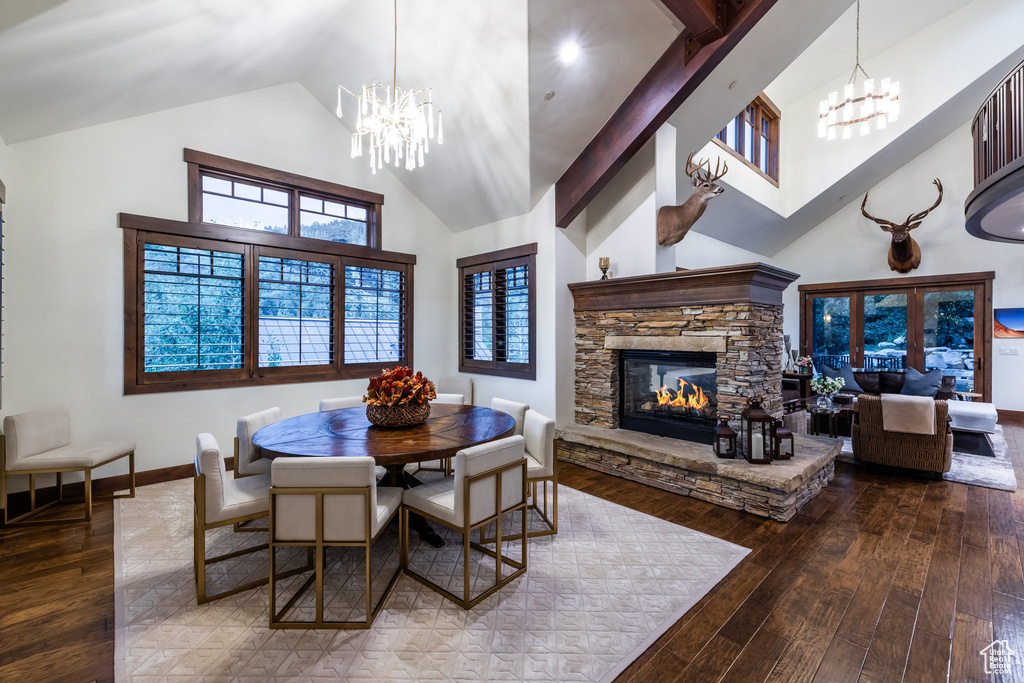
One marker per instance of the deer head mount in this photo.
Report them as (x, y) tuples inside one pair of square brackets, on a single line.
[(675, 221), (904, 252)]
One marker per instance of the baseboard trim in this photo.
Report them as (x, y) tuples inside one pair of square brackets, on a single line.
[(1014, 417)]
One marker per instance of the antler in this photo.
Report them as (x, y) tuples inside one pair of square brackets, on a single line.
[(703, 169), (916, 218), (885, 225)]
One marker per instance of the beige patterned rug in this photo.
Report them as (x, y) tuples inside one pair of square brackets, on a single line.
[(593, 599)]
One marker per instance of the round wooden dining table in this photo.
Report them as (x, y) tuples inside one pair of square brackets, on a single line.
[(347, 432)]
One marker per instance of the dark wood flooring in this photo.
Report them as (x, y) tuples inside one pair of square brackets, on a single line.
[(881, 578)]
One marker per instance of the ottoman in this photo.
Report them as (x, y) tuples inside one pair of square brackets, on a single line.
[(967, 416)]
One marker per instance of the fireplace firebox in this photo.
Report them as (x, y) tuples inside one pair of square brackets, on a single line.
[(669, 393)]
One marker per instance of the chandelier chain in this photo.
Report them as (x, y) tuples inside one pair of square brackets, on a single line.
[(856, 65)]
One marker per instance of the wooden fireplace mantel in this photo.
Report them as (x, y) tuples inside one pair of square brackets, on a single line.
[(756, 283)]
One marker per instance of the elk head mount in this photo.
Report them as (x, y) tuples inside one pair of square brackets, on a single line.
[(904, 252), (675, 221)]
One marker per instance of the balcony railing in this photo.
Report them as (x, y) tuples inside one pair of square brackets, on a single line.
[(998, 127)]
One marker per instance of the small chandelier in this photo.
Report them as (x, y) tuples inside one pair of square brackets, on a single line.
[(396, 124), (881, 105)]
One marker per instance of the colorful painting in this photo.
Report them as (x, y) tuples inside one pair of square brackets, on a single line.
[(1009, 323)]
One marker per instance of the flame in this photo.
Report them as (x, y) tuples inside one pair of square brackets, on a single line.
[(696, 400)]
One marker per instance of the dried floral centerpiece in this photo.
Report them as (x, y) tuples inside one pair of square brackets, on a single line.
[(398, 398)]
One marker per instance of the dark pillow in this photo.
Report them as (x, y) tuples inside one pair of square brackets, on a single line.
[(891, 382), (869, 382), (851, 386), (917, 384)]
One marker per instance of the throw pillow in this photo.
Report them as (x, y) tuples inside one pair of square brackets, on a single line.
[(917, 384), (851, 380)]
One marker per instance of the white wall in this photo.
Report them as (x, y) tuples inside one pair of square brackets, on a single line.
[(847, 246), (64, 292)]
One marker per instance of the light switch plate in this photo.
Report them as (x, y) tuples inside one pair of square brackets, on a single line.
[(1009, 351)]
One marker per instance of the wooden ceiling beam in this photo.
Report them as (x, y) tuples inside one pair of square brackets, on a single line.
[(705, 19), (660, 92)]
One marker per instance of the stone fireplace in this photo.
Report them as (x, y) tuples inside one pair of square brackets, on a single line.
[(660, 358)]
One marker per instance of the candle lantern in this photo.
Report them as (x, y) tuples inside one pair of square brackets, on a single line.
[(757, 427), (725, 440), (782, 442)]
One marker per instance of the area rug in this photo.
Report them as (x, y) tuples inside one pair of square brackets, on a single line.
[(968, 468), (593, 599)]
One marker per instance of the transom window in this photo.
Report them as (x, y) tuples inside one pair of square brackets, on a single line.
[(753, 136), (497, 305), (222, 305)]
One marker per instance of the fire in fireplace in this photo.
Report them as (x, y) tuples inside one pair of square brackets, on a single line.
[(668, 393)]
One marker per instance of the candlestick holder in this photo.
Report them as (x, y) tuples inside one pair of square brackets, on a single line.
[(603, 263)]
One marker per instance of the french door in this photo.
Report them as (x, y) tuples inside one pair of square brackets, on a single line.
[(926, 323)]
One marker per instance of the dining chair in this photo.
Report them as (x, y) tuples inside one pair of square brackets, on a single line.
[(516, 410), (39, 442), (248, 460), (339, 403), (444, 465), (541, 468), (489, 485), (456, 385), (219, 501), (323, 503)]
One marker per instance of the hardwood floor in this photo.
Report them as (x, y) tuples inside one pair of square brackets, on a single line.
[(879, 579)]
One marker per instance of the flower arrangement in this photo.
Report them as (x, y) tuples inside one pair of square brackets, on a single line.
[(827, 386), (399, 387), (803, 363)]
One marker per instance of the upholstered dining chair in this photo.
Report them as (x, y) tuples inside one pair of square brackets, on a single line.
[(541, 468), (489, 485), (444, 465), (248, 460), (339, 403), (223, 501), (323, 503), (39, 442), (516, 410), (456, 385)]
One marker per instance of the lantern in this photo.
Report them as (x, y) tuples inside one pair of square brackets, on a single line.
[(757, 426), (783, 446), (725, 440)]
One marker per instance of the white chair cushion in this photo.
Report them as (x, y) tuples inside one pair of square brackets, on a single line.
[(540, 444), (248, 453), (457, 385), (457, 399), (339, 403), (37, 432), (436, 498), (257, 466), (968, 416), (243, 497), (74, 456), (516, 410)]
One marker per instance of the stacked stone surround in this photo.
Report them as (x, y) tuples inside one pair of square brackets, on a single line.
[(746, 336)]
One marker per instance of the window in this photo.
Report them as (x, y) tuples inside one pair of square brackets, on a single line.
[(228, 192), (497, 302), (753, 136), (232, 304)]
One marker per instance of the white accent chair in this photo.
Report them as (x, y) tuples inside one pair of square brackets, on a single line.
[(321, 503), (456, 385), (453, 399), (39, 442), (443, 465), (223, 501), (489, 485), (516, 410), (541, 467), (248, 460), (339, 403)]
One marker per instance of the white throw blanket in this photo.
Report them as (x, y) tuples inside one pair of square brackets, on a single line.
[(908, 414)]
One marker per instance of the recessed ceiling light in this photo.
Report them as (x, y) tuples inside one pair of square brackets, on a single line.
[(569, 51)]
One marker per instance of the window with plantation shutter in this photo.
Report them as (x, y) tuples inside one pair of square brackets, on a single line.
[(497, 313), (375, 315), (296, 311)]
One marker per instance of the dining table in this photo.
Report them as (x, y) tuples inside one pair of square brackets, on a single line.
[(346, 432)]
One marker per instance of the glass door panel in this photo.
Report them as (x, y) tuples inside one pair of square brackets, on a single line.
[(885, 331), (949, 335), (831, 332)]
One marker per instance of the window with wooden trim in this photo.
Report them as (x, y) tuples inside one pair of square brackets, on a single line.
[(497, 303), (209, 306), (753, 137)]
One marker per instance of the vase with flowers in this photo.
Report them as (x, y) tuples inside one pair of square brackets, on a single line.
[(826, 388), (803, 364), (398, 398)]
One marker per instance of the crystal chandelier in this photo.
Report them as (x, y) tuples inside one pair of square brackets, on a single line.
[(881, 105), (396, 124)]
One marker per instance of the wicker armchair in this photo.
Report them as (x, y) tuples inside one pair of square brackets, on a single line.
[(928, 452)]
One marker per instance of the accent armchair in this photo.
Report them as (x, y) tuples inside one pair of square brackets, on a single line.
[(873, 444)]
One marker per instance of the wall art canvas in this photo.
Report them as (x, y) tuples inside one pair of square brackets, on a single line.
[(1009, 323)]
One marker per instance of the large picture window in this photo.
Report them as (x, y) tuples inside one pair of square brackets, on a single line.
[(498, 313), (231, 304), (753, 137)]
